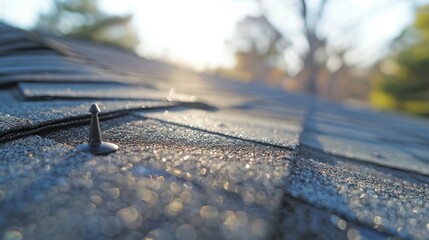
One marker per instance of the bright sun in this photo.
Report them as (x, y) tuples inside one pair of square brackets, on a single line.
[(191, 31)]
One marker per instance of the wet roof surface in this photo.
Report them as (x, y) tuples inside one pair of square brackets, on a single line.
[(200, 157)]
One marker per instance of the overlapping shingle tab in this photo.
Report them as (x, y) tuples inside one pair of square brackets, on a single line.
[(200, 156)]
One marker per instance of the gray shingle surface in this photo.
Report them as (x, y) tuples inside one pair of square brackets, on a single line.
[(278, 132), (98, 91), (227, 160), (369, 136), (166, 176), (20, 114), (399, 207), (226, 190)]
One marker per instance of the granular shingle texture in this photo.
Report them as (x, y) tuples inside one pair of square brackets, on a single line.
[(278, 132), (228, 189), (200, 157)]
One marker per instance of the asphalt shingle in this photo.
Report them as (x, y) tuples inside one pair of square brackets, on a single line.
[(227, 190), (227, 160), (278, 132)]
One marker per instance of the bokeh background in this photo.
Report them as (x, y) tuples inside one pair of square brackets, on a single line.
[(365, 52)]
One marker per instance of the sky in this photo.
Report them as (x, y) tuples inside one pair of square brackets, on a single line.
[(194, 32)]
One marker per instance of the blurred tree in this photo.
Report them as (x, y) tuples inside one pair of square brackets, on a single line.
[(311, 66), (83, 19), (401, 81), (259, 49)]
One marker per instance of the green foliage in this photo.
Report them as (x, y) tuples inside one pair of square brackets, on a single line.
[(403, 82), (83, 19)]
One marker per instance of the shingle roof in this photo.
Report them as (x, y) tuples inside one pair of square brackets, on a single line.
[(200, 156)]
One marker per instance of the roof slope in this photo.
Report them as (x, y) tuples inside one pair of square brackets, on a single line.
[(200, 156)]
